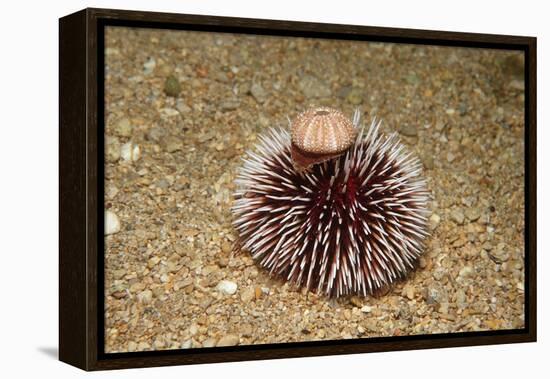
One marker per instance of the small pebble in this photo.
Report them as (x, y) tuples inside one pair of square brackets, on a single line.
[(112, 149), (173, 144), (366, 309), (355, 96), (172, 86), (169, 112), (228, 340), (119, 294), (112, 51), (132, 346), (472, 214), (152, 262), (226, 247), (137, 287), (145, 297), (119, 274), (229, 105), (112, 223), (149, 66), (111, 191), (258, 92), (130, 152), (408, 130), (466, 272), (209, 342), (409, 292), (182, 107), (434, 221), (123, 128), (450, 157), (223, 262), (429, 162), (227, 287), (355, 300), (155, 134), (423, 262), (248, 295), (457, 215), (500, 253), (518, 85), (436, 295), (460, 297), (143, 346), (312, 87)]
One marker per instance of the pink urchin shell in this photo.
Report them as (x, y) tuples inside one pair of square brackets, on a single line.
[(319, 134)]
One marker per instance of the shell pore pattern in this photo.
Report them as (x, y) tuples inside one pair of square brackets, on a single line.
[(322, 130)]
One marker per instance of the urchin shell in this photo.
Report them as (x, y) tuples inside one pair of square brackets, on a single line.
[(350, 225), (322, 130), (319, 134)]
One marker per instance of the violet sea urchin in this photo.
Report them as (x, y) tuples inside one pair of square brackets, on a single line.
[(349, 225)]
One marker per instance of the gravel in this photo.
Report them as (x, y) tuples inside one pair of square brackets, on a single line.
[(313, 87), (169, 241)]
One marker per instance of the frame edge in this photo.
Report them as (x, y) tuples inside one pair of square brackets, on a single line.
[(73, 301), (78, 165), (531, 182)]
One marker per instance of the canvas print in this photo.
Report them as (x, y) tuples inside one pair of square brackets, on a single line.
[(267, 189)]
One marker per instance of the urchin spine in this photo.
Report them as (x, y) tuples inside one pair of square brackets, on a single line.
[(349, 225)]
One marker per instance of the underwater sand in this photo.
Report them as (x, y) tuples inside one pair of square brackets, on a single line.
[(460, 110)]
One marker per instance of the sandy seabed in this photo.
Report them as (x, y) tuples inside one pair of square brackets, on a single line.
[(171, 162)]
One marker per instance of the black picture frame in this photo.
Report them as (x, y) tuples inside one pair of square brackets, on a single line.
[(81, 301)]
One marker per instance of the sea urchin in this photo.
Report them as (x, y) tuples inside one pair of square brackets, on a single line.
[(349, 225)]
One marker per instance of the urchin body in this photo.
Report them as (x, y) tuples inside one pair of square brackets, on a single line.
[(349, 225)]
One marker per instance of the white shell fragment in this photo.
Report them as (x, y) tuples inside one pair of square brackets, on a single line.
[(130, 152), (112, 223), (227, 287)]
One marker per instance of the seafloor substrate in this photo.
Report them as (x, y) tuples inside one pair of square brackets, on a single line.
[(171, 161)]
